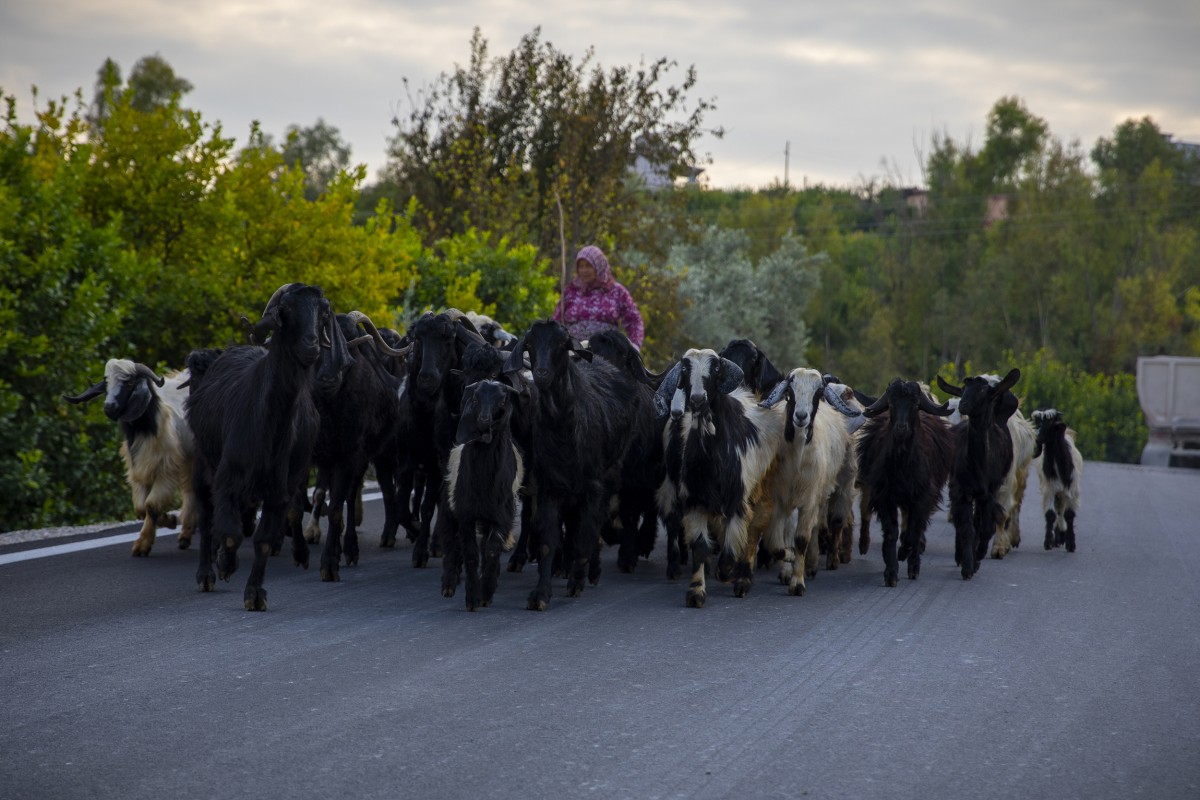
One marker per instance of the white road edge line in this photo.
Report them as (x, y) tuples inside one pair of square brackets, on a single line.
[(92, 544)]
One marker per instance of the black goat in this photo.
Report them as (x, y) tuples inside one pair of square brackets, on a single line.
[(759, 375), (430, 405), (583, 417), (483, 477), (359, 423), (643, 469), (982, 457), (255, 423), (904, 456)]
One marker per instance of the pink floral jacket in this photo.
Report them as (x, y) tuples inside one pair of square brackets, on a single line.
[(590, 311)]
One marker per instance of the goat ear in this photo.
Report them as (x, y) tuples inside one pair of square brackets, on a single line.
[(88, 393), (835, 395), (731, 376), (579, 351), (666, 390), (1009, 381), (776, 394), (769, 376), (516, 359), (950, 388)]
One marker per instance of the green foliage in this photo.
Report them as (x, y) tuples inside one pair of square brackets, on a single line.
[(728, 296), (506, 281), (320, 152), (64, 287), (1103, 410)]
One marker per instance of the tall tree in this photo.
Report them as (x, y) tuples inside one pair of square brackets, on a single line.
[(500, 143), (319, 151)]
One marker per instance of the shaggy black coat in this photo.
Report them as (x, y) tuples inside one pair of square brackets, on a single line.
[(255, 423), (982, 457), (582, 424), (904, 456)]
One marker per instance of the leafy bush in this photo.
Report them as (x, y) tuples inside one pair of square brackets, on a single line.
[(1103, 410)]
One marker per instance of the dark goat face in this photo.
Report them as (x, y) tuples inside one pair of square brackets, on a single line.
[(760, 375), (550, 348), (486, 408), (482, 362), (433, 355), (335, 358), (904, 404)]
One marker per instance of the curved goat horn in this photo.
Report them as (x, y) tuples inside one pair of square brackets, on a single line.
[(143, 371), (878, 406), (949, 388), (359, 318)]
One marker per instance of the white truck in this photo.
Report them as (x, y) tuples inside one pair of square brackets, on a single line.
[(1169, 391)]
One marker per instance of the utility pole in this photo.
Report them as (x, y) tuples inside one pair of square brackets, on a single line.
[(787, 146)]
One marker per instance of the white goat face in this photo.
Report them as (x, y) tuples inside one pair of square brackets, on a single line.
[(807, 387)]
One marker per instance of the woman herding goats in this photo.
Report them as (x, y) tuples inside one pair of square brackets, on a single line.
[(595, 302)]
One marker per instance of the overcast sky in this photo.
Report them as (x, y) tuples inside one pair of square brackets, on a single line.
[(854, 89)]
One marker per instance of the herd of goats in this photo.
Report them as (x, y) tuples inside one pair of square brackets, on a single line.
[(466, 426)]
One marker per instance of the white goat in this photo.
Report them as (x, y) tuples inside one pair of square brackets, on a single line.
[(158, 449), (805, 475), (1059, 466)]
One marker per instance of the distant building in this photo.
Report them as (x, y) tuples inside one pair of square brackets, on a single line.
[(1189, 149), (918, 200), (657, 175)]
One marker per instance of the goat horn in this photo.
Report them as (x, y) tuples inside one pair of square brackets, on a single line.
[(359, 318), (149, 374), (878, 406), (926, 405), (950, 388), (88, 393)]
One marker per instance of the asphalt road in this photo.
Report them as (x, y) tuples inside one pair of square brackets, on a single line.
[(1049, 675)]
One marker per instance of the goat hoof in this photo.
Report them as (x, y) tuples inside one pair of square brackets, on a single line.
[(419, 559), (206, 582), (796, 589), (184, 542), (695, 598), (256, 598), (387, 541), (330, 575), (674, 571), (537, 603), (891, 579), (486, 602), (574, 588), (139, 552), (515, 566), (227, 564)]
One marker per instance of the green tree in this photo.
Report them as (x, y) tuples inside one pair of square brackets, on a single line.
[(65, 288), (508, 282), (498, 144), (320, 152), (728, 296)]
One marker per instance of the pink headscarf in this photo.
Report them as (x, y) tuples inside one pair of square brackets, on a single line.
[(595, 256)]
